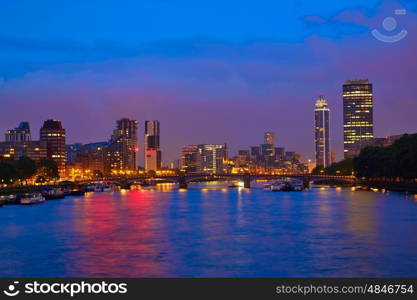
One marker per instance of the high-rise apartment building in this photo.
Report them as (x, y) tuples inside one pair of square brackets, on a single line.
[(358, 123), (53, 135), (322, 132), (152, 146), (121, 152)]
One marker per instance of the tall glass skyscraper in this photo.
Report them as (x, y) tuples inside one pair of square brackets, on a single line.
[(322, 132), (152, 146), (358, 123)]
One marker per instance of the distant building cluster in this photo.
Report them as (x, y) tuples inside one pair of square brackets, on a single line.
[(51, 144), (119, 154), (204, 158), (267, 158)]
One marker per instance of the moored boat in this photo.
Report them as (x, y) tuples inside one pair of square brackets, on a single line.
[(277, 186), (77, 192), (287, 185), (238, 184), (32, 199), (54, 193), (297, 186), (11, 199)]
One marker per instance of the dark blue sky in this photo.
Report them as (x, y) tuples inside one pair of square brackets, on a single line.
[(211, 71)]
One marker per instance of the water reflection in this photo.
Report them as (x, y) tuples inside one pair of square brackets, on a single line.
[(211, 230), (361, 210)]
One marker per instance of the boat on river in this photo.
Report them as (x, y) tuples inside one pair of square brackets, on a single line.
[(77, 192), (9, 199), (53, 193), (29, 199), (287, 185)]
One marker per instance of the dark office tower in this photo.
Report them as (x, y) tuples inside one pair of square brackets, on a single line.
[(152, 146), (358, 123), (243, 156), (267, 148), (255, 153), (322, 132), (279, 153), (123, 146), (19, 134), (53, 135), (269, 138)]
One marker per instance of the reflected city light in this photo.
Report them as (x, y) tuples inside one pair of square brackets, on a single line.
[(240, 184)]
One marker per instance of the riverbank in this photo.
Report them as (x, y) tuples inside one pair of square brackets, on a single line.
[(13, 190), (405, 187)]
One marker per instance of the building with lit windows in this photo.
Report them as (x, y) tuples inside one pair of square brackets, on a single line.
[(86, 157), (19, 144), (269, 138), (206, 158), (322, 132), (121, 152), (19, 134), (213, 156), (358, 123), (35, 150), (191, 160), (152, 146), (53, 135)]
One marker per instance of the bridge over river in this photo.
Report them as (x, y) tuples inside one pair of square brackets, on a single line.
[(184, 179)]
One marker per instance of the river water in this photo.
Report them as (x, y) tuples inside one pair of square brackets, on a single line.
[(212, 231)]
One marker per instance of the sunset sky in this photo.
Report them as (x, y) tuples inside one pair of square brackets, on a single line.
[(210, 71)]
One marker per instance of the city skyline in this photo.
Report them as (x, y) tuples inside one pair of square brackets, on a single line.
[(266, 141), (198, 78), (353, 90)]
